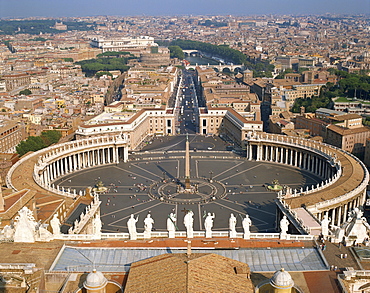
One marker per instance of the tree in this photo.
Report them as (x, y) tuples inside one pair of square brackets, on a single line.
[(283, 73), (92, 66), (311, 104), (101, 73), (25, 92), (176, 52), (32, 143), (35, 143), (50, 137)]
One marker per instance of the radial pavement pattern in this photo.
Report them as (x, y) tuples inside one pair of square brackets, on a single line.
[(226, 183)]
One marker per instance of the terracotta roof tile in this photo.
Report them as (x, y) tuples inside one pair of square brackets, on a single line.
[(197, 273)]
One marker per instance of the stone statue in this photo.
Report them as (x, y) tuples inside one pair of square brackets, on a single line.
[(246, 227), (208, 224), (171, 225), (148, 225), (25, 226), (97, 224), (8, 232), (131, 225), (188, 222), (55, 225), (358, 213), (232, 225), (325, 226), (42, 233), (284, 223)]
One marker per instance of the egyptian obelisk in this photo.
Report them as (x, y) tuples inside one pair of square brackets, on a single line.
[(187, 164)]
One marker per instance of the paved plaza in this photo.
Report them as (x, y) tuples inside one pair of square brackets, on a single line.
[(150, 181)]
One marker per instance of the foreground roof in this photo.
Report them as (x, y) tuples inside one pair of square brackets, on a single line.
[(196, 273)]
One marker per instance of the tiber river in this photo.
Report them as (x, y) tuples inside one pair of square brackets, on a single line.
[(200, 60)]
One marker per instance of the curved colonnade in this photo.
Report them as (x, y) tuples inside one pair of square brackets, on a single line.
[(343, 186), (344, 177), (53, 162)]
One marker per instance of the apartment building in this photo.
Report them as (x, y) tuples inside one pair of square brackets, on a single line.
[(226, 122), (137, 127), (16, 80), (128, 44), (352, 140), (315, 126), (11, 134)]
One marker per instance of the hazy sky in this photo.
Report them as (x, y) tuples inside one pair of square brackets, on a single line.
[(58, 8)]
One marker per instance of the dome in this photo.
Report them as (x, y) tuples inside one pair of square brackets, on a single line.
[(282, 280), (95, 280)]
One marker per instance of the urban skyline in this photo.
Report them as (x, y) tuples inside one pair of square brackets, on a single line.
[(184, 147), (43, 8)]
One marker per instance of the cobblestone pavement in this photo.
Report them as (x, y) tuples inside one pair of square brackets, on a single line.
[(244, 186)]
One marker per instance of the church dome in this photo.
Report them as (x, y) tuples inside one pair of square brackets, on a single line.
[(95, 280), (282, 280)]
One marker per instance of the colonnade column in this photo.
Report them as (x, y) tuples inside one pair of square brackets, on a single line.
[(78, 161), (266, 152), (286, 156), (258, 153), (271, 152), (333, 217), (125, 154), (339, 216), (276, 155), (54, 170), (345, 212), (88, 159), (117, 154), (70, 158), (93, 157)]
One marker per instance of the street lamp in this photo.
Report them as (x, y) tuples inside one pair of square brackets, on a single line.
[(210, 176), (164, 176)]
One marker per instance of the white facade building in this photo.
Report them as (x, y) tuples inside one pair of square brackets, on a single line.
[(123, 44)]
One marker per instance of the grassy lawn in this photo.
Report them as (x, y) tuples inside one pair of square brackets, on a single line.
[(342, 100)]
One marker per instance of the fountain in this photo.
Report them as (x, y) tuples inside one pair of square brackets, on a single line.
[(275, 185)]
